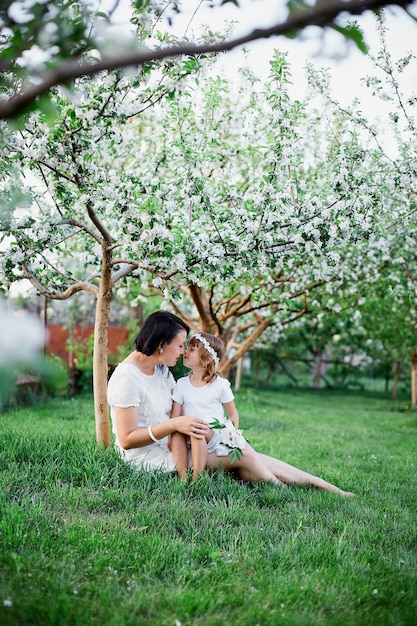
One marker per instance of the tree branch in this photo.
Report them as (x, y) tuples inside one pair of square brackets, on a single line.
[(80, 286), (107, 238), (321, 15)]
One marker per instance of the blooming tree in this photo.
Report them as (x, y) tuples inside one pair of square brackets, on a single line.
[(240, 204), (76, 177), (389, 309), (375, 332), (265, 208), (43, 44)]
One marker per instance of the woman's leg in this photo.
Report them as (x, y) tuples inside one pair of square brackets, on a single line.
[(256, 466), (292, 475), (250, 466)]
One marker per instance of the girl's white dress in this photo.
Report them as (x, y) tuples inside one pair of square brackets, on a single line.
[(127, 387), (207, 403)]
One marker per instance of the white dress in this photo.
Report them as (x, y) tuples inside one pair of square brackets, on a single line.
[(207, 403), (128, 387)]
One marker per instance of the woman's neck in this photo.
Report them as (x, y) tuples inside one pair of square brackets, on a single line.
[(146, 364)]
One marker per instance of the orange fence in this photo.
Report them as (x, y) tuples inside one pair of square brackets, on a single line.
[(58, 335)]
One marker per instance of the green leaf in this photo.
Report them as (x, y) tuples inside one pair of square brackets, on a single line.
[(235, 454), (353, 32)]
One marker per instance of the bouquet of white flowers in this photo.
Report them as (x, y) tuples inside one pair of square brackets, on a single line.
[(230, 436)]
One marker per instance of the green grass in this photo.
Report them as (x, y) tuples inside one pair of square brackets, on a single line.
[(86, 540)]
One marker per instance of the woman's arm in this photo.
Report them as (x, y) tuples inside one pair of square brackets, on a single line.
[(130, 436), (232, 413)]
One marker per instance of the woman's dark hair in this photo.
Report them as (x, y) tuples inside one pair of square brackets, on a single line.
[(158, 330)]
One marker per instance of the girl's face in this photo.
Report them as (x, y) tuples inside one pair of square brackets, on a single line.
[(192, 357), (172, 351)]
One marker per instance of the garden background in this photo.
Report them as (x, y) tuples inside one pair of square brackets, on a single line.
[(137, 175)]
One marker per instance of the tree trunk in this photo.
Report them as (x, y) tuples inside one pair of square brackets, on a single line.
[(271, 369), (287, 371), (238, 379), (387, 378), (317, 370), (414, 378), (397, 368), (100, 354), (256, 369), (242, 348)]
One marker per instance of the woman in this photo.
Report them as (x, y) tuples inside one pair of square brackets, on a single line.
[(139, 394)]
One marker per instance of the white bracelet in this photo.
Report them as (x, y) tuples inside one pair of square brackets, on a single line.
[(151, 435)]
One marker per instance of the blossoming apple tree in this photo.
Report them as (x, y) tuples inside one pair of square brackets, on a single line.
[(242, 206), (273, 210), (76, 177), (44, 44), (389, 304)]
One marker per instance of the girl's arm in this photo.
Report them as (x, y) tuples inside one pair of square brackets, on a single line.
[(130, 436), (232, 413), (178, 444), (176, 409)]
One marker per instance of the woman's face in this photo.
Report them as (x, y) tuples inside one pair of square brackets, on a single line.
[(172, 351)]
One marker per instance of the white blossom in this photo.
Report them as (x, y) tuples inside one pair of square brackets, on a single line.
[(157, 281), (21, 338)]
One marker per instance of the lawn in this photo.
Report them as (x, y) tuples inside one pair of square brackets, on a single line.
[(86, 540)]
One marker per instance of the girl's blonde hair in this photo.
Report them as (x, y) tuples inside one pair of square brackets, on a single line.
[(206, 358)]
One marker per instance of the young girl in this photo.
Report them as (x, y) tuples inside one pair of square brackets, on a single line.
[(206, 394)]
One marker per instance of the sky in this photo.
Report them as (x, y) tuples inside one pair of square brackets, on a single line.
[(347, 64)]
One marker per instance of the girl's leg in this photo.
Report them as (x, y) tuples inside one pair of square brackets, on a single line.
[(179, 451), (292, 475), (199, 453), (198, 456)]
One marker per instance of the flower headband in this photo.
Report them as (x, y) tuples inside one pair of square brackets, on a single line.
[(208, 347)]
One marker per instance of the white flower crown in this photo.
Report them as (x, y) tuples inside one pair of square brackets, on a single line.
[(208, 347)]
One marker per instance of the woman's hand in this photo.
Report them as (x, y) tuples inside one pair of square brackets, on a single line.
[(130, 436), (192, 426)]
